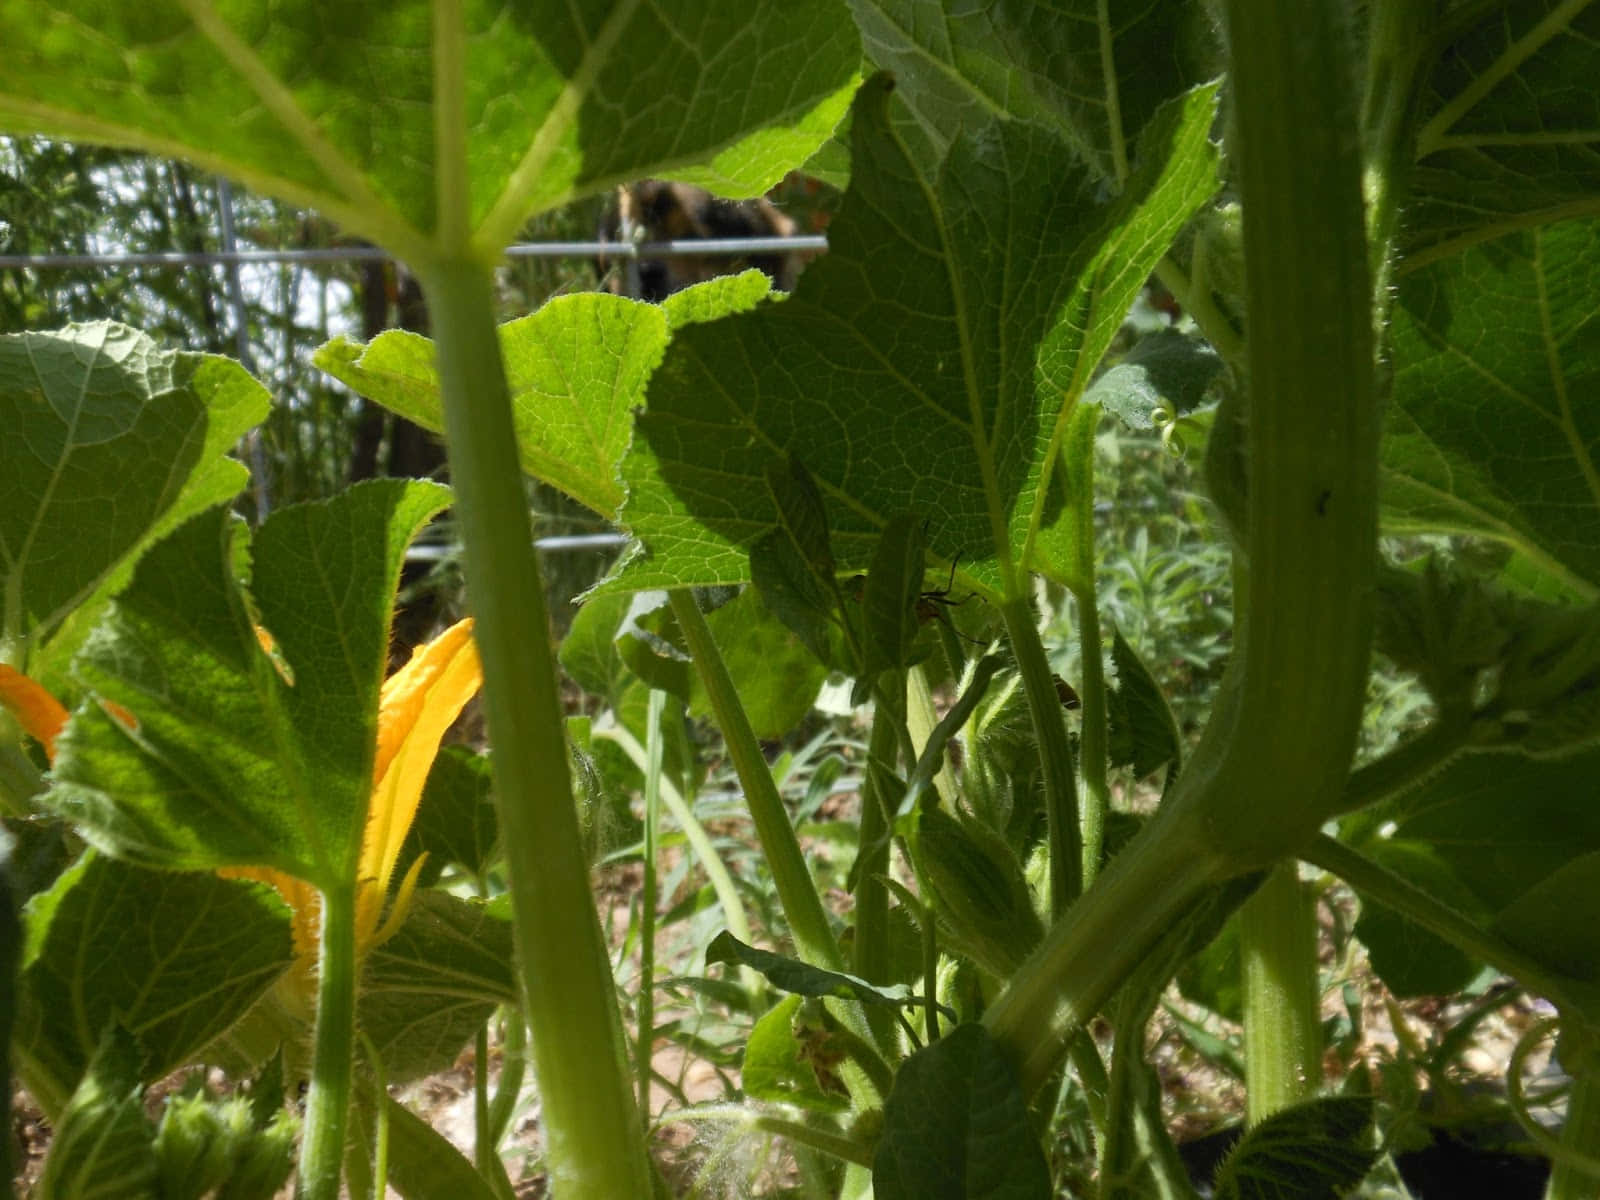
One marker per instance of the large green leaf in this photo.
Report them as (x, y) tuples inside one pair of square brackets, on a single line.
[(109, 442), (1093, 72), (956, 1127), (1493, 428), (776, 676), (360, 109), (1512, 841), (236, 756), (1409, 959), (174, 957), (577, 370), (926, 365), (431, 986), (1510, 130), (1314, 1151)]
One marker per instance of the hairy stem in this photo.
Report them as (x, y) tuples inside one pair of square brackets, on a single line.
[(580, 1056), (333, 1051), (1270, 765), (1282, 1033)]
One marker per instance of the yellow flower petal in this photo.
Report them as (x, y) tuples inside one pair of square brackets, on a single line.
[(419, 703), (38, 712)]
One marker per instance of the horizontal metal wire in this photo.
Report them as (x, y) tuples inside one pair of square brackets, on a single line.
[(678, 248), (435, 551)]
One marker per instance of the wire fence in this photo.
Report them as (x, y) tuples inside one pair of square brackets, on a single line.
[(230, 256), (679, 248)]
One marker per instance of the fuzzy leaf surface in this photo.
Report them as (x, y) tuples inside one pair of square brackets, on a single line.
[(956, 1126), (340, 107), (110, 441), (1314, 1151), (1094, 73), (101, 1146), (174, 957), (429, 988), (926, 365), (1510, 133), (1492, 429), (229, 762), (1519, 838)]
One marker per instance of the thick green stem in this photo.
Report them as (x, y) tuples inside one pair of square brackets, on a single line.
[(1282, 1033), (1097, 943), (1312, 431), (580, 1056), (808, 921), (1055, 755), (1096, 737), (644, 1050), (333, 1051)]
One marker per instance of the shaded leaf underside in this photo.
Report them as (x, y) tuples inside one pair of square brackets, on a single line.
[(1493, 429), (335, 106)]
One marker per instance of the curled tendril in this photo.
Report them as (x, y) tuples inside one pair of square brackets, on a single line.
[(1518, 1100)]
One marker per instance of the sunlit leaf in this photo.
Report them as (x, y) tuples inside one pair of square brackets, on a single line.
[(775, 1066), (1003, 280), (227, 761), (174, 957), (110, 441)]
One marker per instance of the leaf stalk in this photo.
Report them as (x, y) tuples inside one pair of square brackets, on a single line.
[(580, 1056)]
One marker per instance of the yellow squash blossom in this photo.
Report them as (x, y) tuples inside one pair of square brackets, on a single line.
[(418, 704)]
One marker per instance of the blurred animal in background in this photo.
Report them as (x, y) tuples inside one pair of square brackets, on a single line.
[(658, 211)]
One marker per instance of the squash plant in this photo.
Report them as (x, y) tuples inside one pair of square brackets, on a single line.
[(1381, 218)]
